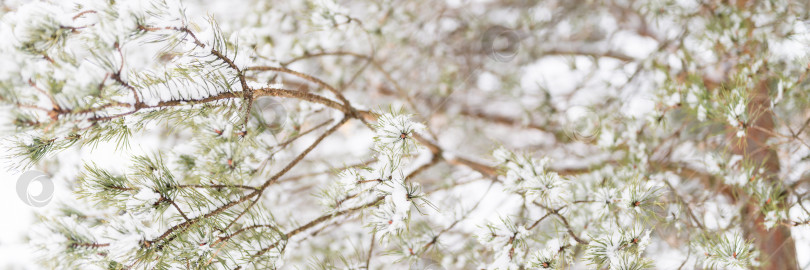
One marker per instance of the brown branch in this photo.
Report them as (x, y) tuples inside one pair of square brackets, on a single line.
[(217, 186), (499, 119), (308, 56), (80, 14), (304, 153), (435, 238), (548, 214), (370, 250), (317, 221), (226, 95), (359, 164), (277, 92), (685, 203), (253, 202), (117, 78), (178, 209), (564, 221), (170, 103), (185, 225), (89, 245), (224, 239), (586, 51), (348, 108)]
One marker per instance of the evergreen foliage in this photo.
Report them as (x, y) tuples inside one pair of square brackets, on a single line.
[(354, 135)]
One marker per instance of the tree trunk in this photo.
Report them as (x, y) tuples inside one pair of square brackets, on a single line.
[(776, 246)]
